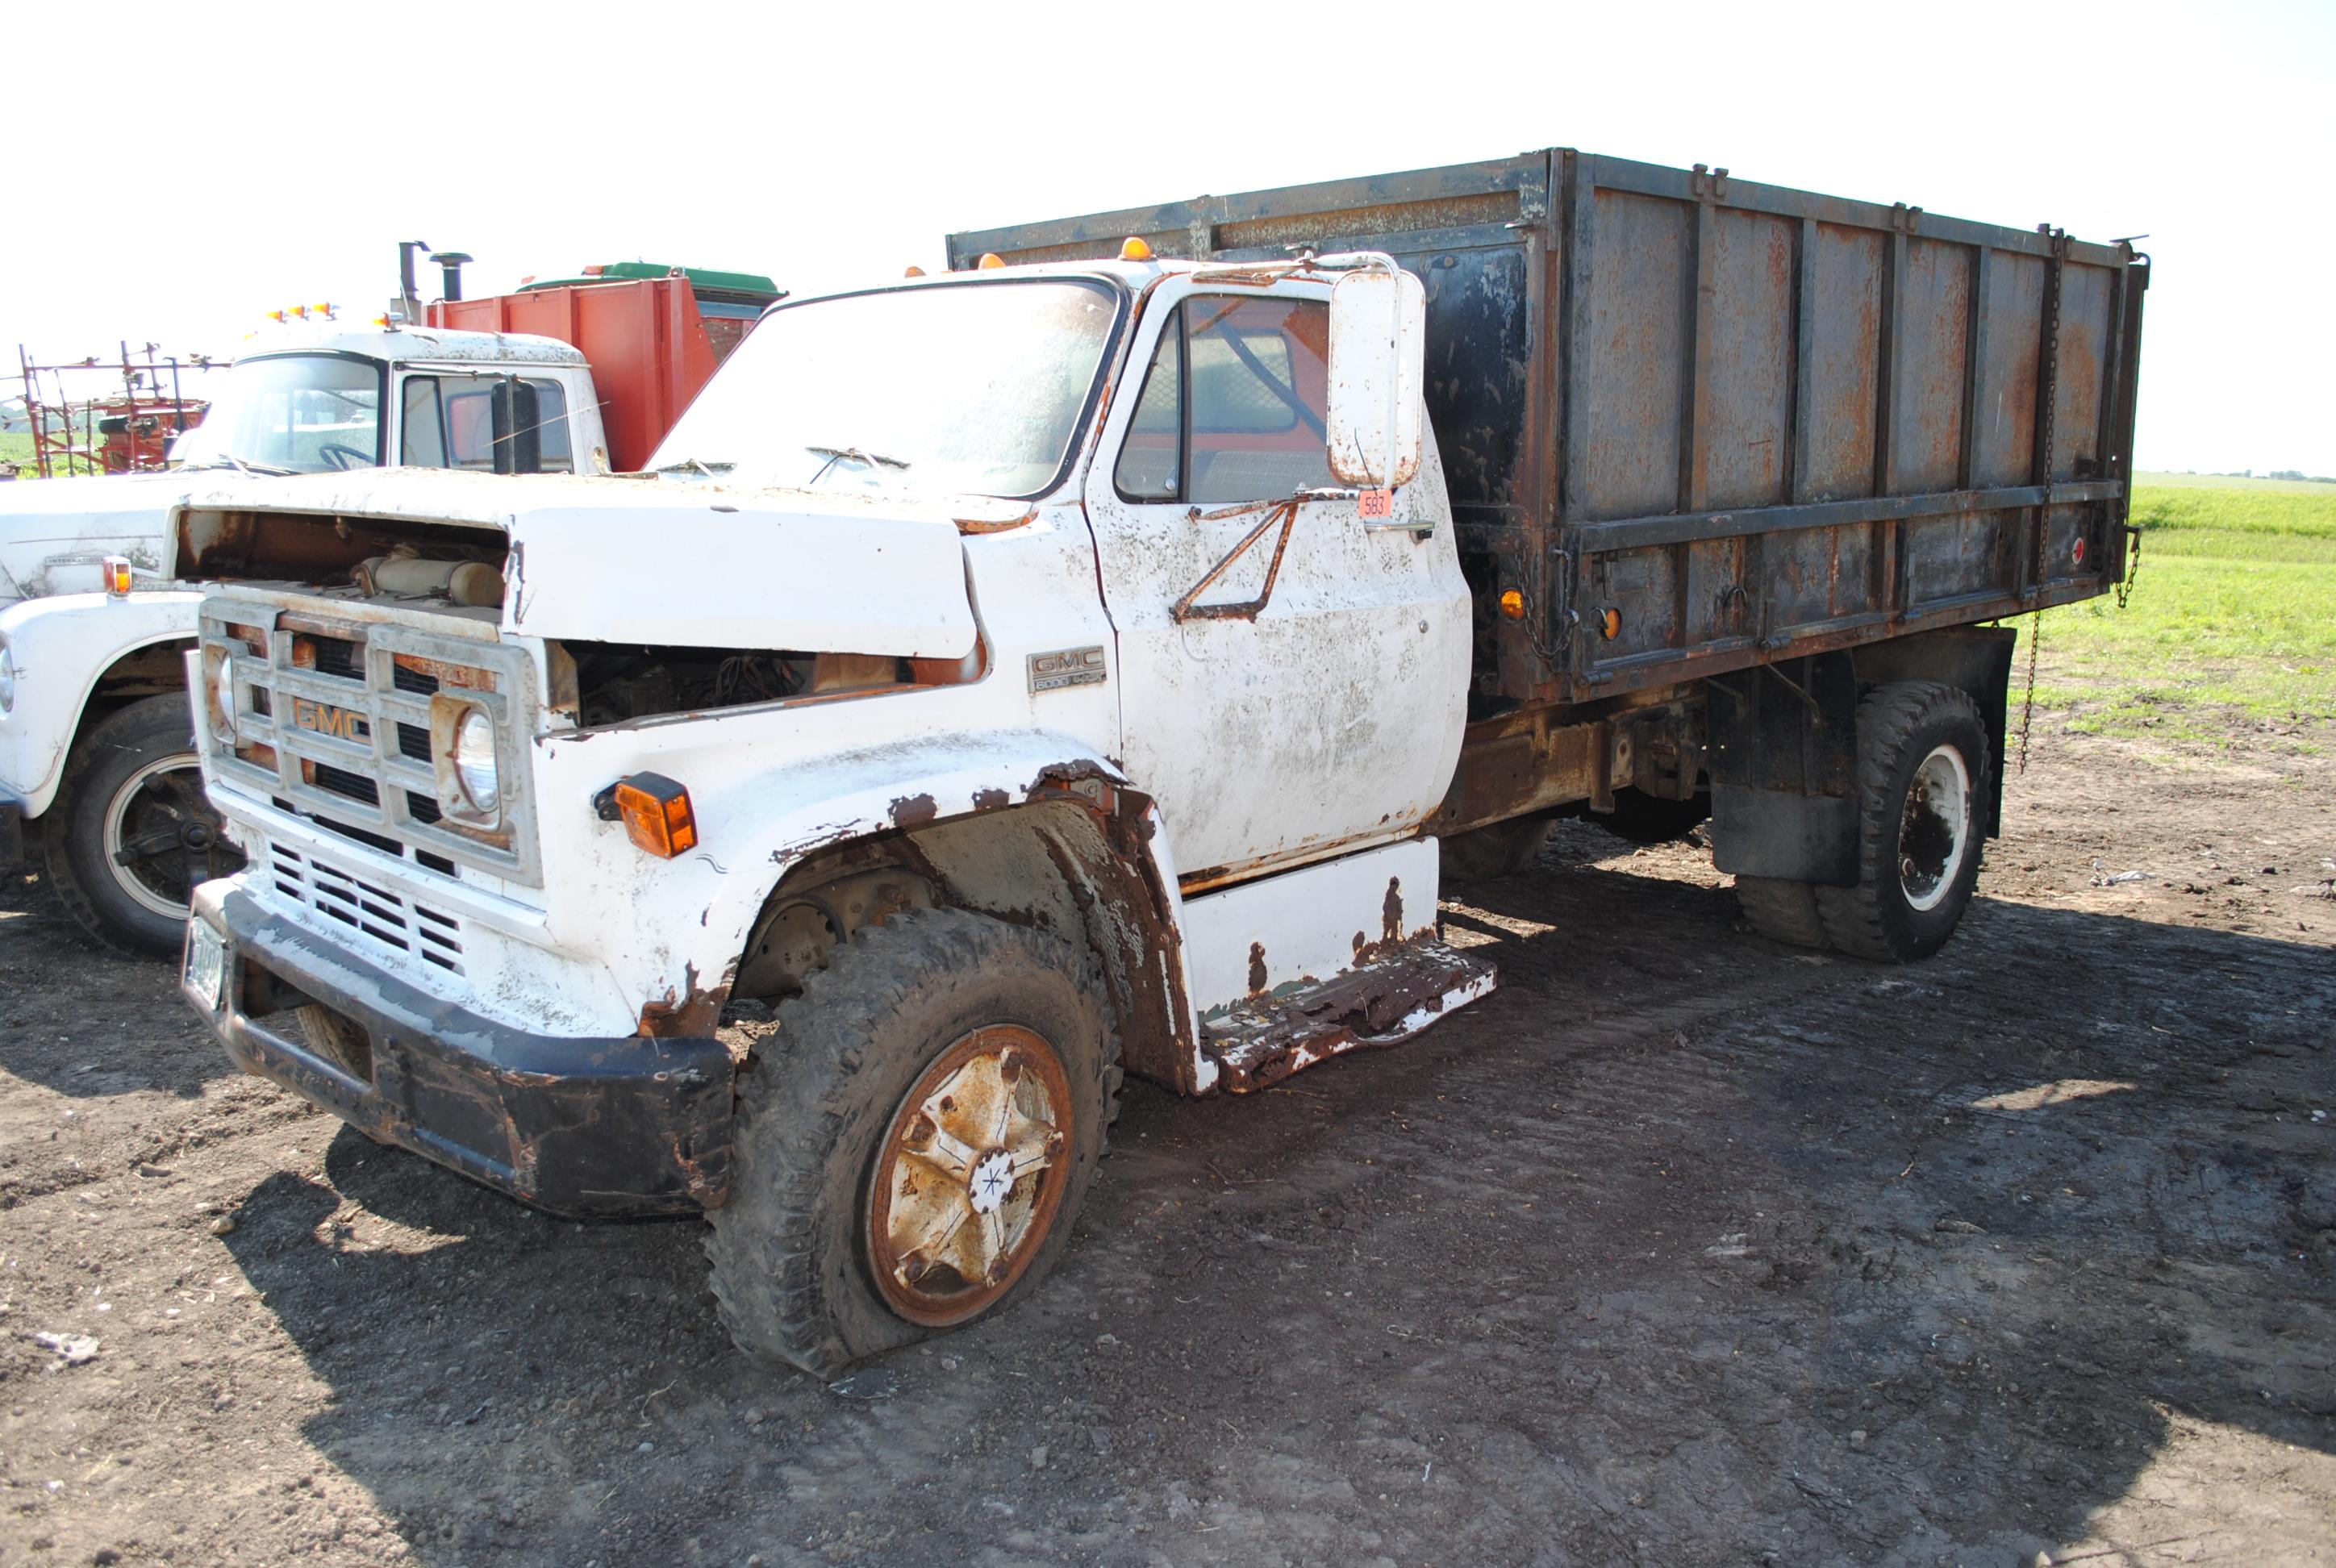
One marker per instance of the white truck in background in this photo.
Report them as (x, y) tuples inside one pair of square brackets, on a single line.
[(1071, 666), (99, 787)]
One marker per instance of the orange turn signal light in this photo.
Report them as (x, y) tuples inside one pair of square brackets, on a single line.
[(116, 568), (990, 259), (1611, 623), (1134, 248), (656, 813), (1513, 605), (914, 272)]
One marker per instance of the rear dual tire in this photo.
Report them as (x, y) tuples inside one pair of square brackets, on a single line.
[(1923, 771)]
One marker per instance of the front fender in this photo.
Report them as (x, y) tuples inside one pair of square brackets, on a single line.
[(690, 918), (865, 791), (61, 645)]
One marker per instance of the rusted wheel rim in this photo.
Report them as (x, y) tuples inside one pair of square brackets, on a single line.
[(969, 1176), (1934, 829)]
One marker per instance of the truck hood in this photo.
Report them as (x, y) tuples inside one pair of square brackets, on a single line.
[(53, 532), (666, 562)]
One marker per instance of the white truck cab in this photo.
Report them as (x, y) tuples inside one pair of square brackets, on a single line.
[(96, 760)]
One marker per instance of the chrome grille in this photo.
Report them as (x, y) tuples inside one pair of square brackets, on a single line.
[(388, 919), (334, 722)]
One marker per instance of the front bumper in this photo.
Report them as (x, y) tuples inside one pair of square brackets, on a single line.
[(588, 1128)]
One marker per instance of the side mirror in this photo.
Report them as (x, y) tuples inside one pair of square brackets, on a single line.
[(518, 431), (1378, 349)]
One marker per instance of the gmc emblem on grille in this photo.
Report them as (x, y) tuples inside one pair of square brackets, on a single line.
[(1066, 666), (336, 722)]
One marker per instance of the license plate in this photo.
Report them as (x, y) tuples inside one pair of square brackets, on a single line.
[(206, 961)]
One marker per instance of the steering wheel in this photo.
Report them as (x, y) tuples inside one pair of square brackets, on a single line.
[(343, 457)]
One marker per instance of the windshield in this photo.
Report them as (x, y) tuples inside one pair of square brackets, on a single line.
[(295, 413), (976, 387)]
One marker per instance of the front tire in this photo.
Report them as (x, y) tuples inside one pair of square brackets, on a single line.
[(1923, 770), (132, 833), (913, 1153)]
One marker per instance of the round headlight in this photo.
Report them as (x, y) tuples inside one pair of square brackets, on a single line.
[(475, 762), (223, 693), (7, 678)]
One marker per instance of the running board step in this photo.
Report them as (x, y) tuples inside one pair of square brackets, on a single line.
[(1383, 1001)]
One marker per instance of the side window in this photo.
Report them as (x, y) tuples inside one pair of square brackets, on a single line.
[(555, 452), (451, 422), (1149, 461), (423, 441), (1249, 381), (471, 424)]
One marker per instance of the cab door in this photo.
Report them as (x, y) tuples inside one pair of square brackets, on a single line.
[(1292, 678)]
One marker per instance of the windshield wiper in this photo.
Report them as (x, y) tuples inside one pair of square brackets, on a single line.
[(710, 469), (246, 467), (835, 455)]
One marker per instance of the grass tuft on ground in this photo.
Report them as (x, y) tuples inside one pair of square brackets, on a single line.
[(2230, 626)]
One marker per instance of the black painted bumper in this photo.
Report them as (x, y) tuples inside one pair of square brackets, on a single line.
[(581, 1127)]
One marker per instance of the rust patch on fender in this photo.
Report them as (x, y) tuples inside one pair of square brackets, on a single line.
[(911, 810), (1256, 968), (1391, 912), (991, 800), (693, 1014)]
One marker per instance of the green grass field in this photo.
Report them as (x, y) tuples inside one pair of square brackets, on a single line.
[(2232, 627)]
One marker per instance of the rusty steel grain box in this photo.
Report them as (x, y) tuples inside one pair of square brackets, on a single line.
[(1697, 423)]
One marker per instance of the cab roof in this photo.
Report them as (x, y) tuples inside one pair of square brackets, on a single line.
[(413, 342)]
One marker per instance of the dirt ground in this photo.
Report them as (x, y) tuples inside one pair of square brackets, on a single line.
[(1683, 1248)]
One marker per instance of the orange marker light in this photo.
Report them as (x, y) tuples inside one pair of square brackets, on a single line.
[(1611, 623), (914, 272), (116, 568), (658, 814), (1134, 248), (990, 259), (1513, 605)]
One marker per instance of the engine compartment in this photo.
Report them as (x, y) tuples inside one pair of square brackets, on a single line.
[(618, 683), (458, 570), (326, 549)]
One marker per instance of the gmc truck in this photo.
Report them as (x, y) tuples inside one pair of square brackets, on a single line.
[(99, 787), (1089, 661)]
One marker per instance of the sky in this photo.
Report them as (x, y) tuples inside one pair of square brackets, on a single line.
[(180, 170)]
